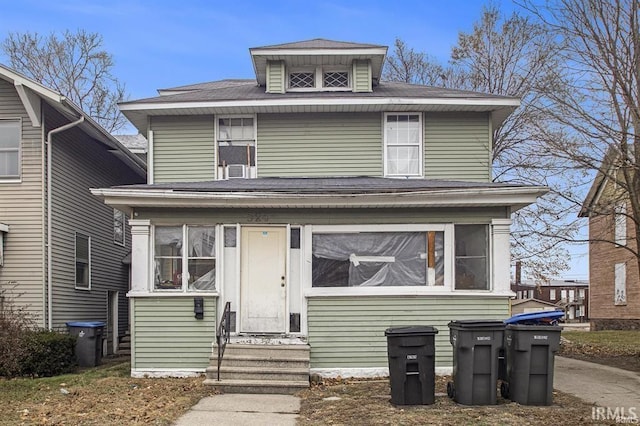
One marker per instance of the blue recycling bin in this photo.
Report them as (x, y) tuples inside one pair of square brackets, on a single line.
[(88, 336)]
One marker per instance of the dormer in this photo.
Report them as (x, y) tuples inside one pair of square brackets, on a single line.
[(318, 65)]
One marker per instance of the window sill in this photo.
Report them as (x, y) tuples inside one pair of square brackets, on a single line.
[(83, 288), (172, 294), (10, 180), (400, 291)]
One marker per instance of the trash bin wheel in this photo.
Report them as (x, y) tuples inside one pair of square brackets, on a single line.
[(504, 390), (451, 391)]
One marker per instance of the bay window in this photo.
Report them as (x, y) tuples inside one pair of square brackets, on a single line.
[(184, 248)]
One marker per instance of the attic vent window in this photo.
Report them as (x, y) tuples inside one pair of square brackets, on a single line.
[(336, 79), (301, 80)]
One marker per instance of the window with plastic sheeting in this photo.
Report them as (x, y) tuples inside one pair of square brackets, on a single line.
[(201, 258), (377, 259)]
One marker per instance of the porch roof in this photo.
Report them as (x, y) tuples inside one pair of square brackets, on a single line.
[(331, 192)]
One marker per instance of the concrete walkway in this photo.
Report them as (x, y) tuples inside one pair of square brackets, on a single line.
[(243, 409), (597, 384)]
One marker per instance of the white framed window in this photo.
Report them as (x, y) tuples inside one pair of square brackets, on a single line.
[(10, 135), (471, 257), (119, 227), (403, 144), (236, 147), (4, 229), (190, 248), (552, 294), (581, 293), (329, 79), (82, 262), (302, 80), (335, 79), (563, 295), (620, 218)]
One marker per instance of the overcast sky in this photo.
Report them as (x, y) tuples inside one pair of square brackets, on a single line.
[(161, 43)]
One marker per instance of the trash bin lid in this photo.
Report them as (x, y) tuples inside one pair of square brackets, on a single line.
[(541, 318), (535, 327), (88, 324), (411, 330), (477, 324)]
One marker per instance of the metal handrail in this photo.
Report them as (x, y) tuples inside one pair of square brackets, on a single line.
[(223, 333)]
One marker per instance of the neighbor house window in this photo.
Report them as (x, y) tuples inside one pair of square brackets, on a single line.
[(83, 262), (9, 149), (552, 294), (403, 144), (471, 260), (376, 259), (119, 223), (197, 257), (620, 284), (236, 147), (620, 213)]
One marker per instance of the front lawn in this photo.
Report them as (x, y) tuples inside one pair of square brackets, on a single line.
[(616, 348)]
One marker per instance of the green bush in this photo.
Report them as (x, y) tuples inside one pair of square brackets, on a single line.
[(48, 353)]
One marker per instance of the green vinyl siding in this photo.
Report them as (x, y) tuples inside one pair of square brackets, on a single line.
[(167, 335), (183, 148), (362, 76), (457, 146), (348, 332), (325, 144), (323, 216), (275, 77)]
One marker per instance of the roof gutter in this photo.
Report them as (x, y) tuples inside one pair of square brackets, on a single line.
[(49, 203)]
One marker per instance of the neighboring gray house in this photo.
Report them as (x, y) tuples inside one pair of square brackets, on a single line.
[(137, 144), (323, 205), (66, 265)]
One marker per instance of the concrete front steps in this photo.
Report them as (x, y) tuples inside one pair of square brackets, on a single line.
[(260, 368)]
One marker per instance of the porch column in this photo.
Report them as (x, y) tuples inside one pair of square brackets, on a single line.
[(140, 243), (501, 256)]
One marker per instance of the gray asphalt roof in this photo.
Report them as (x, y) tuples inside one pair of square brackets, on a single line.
[(320, 43), (233, 90), (136, 141), (333, 185)]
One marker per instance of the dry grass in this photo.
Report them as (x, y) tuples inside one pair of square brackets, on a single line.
[(358, 402), (616, 348), (101, 396)]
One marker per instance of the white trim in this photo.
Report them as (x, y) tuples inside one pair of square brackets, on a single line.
[(368, 372), (399, 291), (136, 294), (390, 101), (385, 145), (31, 103), (4, 228), (150, 162), (14, 178), (352, 229), (141, 373)]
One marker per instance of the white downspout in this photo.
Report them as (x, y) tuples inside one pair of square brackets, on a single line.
[(49, 232)]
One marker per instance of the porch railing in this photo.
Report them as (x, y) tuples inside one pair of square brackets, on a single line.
[(223, 333)]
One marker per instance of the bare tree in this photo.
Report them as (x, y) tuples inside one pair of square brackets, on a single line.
[(73, 64), (509, 56), (599, 106)]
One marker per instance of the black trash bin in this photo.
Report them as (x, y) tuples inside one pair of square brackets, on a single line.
[(530, 356), (411, 352), (477, 346), (88, 341)]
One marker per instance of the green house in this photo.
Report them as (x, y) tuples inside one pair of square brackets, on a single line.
[(324, 204)]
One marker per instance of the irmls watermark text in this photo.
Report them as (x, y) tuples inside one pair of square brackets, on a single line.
[(623, 415)]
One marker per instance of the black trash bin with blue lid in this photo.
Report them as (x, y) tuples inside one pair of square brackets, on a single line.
[(531, 341), (88, 336), (411, 353)]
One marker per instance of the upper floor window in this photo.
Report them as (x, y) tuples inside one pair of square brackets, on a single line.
[(83, 262), (236, 147), (403, 144), (552, 294), (9, 149), (319, 79)]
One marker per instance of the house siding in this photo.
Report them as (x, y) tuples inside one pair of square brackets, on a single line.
[(325, 144), (166, 334), (275, 77), (79, 163), (348, 332), (21, 207), (457, 146), (183, 148), (362, 76), (322, 216)]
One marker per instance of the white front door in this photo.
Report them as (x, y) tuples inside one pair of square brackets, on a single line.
[(263, 280)]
